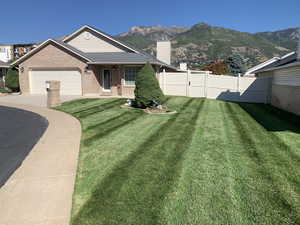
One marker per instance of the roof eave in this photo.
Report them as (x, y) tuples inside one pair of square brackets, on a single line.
[(17, 62), (133, 63), (294, 64)]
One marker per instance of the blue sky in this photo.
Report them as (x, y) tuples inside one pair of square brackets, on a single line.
[(37, 20)]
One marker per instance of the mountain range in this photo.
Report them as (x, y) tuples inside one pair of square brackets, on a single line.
[(202, 44)]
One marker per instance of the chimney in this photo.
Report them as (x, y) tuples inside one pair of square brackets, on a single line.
[(163, 52), (183, 66), (298, 50)]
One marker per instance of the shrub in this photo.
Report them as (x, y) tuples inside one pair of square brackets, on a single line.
[(12, 79), (4, 91), (147, 89), (218, 67)]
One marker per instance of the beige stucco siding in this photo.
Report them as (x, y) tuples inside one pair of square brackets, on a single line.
[(286, 97), (54, 57), (286, 89), (289, 76), (87, 41)]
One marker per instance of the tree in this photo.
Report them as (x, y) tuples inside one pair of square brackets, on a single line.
[(236, 64), (218, 67), (12, 79), (147, 89)]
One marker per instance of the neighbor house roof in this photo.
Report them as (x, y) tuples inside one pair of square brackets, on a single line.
[(284, 61), (262, 65), (3, 64)]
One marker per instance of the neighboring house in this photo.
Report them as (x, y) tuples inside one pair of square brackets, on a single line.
[(88, 61), (285, 74), (6, 53), (22, 49), (3, 70), (10, 52), (269, 63)]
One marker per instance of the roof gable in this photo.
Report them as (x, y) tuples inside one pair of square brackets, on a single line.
[(63, 45), (89, 39)]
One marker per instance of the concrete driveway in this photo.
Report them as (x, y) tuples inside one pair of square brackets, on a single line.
[(20, 131), (40, 191), (33, 100)]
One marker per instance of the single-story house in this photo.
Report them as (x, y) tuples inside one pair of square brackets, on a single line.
[(87, 61), (285, 82), (3, 70)]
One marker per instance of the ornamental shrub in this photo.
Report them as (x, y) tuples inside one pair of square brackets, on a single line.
[(147, 90), (12, 80)]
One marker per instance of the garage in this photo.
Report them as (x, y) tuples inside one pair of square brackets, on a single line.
[(70, 81)]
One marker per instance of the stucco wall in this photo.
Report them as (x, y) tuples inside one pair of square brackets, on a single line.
[(87, 41), (54, 57), (286, 97)]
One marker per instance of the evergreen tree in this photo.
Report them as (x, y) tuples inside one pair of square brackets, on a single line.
[(147, 89), (236, 64), (12, 79)]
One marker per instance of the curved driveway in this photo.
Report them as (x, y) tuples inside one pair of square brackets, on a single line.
[(20, 130), (40, 191)]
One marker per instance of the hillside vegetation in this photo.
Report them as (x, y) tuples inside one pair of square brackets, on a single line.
[(201, 44)]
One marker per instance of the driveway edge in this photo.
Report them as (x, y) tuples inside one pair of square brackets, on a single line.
[(40, 190)]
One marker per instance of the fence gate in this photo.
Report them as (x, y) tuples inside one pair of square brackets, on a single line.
[(203, 84)]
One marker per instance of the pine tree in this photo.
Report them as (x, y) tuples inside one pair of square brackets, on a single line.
[(147, 89), (236, 64)]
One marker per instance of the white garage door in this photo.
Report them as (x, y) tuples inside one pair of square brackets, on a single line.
[(70, 81)]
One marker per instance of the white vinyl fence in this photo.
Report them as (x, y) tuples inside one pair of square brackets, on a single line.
[(202, 84)]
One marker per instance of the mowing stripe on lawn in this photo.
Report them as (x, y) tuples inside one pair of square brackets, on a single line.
[(134, 192), (114, 124), (271, 118), (97, 108), (105, 128), (249, 133), (73, 106), (106, 122), (289, 157)]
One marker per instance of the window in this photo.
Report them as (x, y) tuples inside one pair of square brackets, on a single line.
[(2, 49), (130, 74)]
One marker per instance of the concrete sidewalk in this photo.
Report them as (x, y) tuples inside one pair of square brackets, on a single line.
[(40, 191)]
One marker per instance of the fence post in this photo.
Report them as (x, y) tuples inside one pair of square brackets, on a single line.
[(188, 83), (164, 80), (238, 83), (206, 83)]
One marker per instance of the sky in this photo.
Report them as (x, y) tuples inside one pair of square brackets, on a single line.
[(37, 20)]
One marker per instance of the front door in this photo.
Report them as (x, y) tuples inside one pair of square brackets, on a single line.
[(106, 80)]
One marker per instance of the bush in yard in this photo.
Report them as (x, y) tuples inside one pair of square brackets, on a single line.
[(217, 67), (147, 89), (12, 79)]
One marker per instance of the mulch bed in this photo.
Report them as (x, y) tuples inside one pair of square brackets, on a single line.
[(153, 110)]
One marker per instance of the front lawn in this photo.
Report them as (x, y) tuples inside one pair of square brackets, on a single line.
[(213, 162)]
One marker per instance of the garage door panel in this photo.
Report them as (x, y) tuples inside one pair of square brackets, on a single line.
[(70, 81)]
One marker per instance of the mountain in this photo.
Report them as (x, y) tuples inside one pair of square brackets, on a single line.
[(201, 44), (287, 38), (142, 37)]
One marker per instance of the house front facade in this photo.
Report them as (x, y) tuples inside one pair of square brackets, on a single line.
[(88, 61)]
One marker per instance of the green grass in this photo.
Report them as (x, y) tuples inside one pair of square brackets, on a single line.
[(211, 163), (4, 91)]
